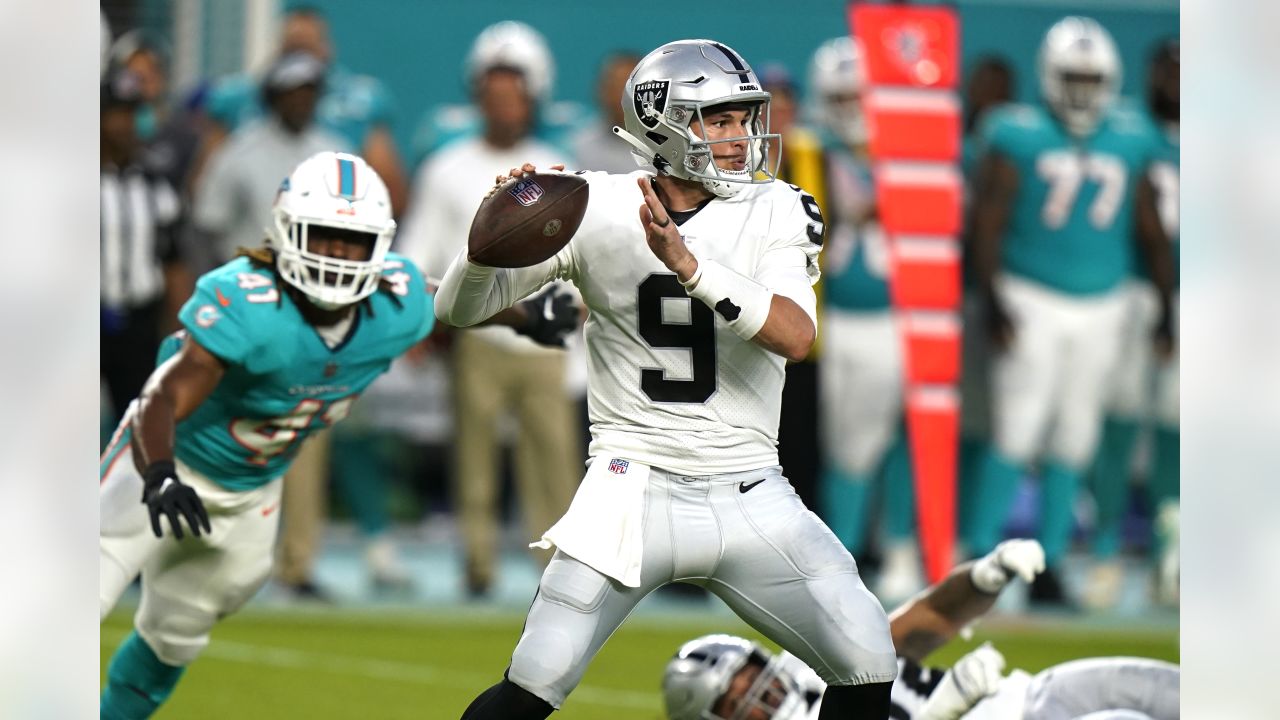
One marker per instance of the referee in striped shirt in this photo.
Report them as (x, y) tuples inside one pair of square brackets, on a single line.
[(141, 278)]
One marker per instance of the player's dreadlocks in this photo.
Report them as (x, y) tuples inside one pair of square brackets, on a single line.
[(264, 258)]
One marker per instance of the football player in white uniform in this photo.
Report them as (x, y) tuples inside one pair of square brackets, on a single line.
[(694, 311), (731, 678)]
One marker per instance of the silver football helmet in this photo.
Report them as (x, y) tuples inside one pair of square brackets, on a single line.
[(835, 83), (1079, 72), (670, 89), (702, 672)]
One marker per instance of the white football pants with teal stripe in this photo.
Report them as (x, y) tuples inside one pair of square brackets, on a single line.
[(1048, 393), (188, 584)]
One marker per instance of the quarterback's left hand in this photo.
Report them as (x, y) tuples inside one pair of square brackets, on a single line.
[(550, 316), (662, 234), (1023, 558)]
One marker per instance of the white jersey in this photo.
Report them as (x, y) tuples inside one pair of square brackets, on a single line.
[(669, 384)]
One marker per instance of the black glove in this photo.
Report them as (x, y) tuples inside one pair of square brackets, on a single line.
[(551, 315), (165, 494)]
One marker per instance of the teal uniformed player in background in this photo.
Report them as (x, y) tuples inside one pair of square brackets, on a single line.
[(277, 344), (357, 107), (860, 368), (1061, 197), (1145, 390)]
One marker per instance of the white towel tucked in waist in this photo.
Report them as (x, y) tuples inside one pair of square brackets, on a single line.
[(604, 526)]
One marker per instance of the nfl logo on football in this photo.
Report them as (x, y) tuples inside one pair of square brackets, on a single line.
[(526, 192), (618, 467)]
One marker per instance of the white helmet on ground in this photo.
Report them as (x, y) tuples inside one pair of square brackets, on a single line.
[(1079, 72), (512, 44), (835, 84), (333, 190), (670, 88), (704, 669)]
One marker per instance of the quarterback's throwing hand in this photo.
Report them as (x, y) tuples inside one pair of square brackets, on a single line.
[(515, 173), (662, 234), (165, 495)]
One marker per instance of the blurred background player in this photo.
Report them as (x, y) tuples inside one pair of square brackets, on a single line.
[(356, 107), (1145, 386), (990, 85), (594, 147), (799, 440), (1061, 197), (725, 677), (861, 383), (142, 279), (277, 344), (496, 371)]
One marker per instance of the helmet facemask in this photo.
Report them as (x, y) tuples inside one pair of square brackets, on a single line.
[(772, 694), (759, 165), (1080, 99), (328, 282)]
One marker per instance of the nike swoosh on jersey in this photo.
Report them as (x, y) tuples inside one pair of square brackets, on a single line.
[(222, 299), (747, 486)]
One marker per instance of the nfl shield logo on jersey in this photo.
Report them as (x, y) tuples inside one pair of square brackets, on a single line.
[(618, 467), (526, 192)]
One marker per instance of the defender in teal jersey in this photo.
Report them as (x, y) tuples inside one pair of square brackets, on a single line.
[(277, 345), (860, 369), (1061, 197), (1145, 386)]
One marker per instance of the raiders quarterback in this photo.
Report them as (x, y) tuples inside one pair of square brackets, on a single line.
[(694, 311), (723, 677)]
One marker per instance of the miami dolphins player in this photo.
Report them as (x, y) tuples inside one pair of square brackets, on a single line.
[(1062, 195), (1145, 387), (277, 344), (860, 371)]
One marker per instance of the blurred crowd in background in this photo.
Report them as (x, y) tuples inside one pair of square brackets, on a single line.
[(480, 429)]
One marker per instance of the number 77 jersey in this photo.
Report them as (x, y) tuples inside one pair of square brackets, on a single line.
[(282, 380), (669, 383), (1071, 225)]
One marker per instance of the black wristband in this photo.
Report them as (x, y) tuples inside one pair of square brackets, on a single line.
[(157, 471)]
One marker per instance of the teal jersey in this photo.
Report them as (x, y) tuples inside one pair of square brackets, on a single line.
[(1164, 175), (855, 274), (282, 381), (352, 105), (1072, 221)]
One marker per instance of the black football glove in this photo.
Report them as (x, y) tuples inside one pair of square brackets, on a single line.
[(164, 494), (552, 314)]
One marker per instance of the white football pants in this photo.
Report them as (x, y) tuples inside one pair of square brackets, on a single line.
[(756, 546), (1048, 389), (860, 387), (188, 584)]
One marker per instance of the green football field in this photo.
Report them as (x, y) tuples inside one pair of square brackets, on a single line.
[(391, 665)]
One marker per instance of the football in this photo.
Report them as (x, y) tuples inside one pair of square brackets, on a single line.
[(527, 220)]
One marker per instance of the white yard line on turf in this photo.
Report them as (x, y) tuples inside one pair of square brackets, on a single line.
[(289, 658)]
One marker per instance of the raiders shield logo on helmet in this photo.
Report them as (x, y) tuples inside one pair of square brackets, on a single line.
[(650, 99)]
